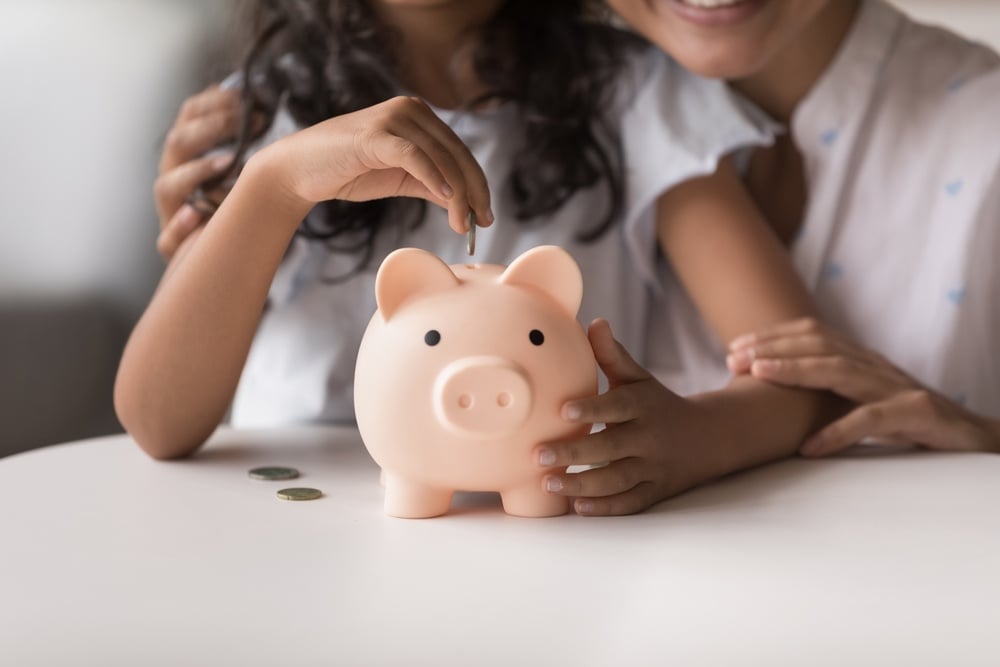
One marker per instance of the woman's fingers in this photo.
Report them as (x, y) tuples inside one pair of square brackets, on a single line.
[(917, 416), (804, 325), (853, 379), (178, 228), (783, 347), (173, 187), (213, 98), (190, 138), (908, 415)]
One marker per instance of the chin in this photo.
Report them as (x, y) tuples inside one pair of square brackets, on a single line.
[(718, 61)]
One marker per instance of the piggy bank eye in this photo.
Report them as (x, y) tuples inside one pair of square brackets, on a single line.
[(432, 337), (536, 337)]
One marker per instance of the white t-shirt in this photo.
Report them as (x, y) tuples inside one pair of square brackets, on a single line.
[(674, 126), (901, 239)]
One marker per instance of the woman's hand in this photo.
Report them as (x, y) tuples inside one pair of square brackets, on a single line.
[(396, 148), (646, 443), (204, 121), (891, 406)]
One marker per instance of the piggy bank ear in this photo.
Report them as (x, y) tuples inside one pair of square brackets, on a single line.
[(406, 273), (551, 270)]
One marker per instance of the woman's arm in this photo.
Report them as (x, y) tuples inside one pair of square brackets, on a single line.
[(889, 404), (182, 363), (658, 443)]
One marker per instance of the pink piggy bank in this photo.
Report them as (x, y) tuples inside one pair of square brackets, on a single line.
[(463, 370)]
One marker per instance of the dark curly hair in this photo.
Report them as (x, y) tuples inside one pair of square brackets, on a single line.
[(555, 60)]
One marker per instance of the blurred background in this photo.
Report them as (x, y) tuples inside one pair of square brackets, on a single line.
[(87, 91)]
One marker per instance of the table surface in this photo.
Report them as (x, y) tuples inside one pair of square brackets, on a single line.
[(110, 558)]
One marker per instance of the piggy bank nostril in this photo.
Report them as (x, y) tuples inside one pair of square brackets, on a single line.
[(465, 401), (503, 399)]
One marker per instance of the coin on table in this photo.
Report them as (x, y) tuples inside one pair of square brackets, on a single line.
[(272, 473), (300, 494), (471, 237)]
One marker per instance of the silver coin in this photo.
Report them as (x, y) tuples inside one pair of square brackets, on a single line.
[(470, 238), (272, 473), (300, 494)]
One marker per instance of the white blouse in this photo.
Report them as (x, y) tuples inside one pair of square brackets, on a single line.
[(901, 240), (674, 127)]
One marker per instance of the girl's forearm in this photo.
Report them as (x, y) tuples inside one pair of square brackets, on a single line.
[(182, 363), (749, 423)]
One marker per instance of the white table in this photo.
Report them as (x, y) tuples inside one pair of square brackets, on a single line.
[(109, 558)]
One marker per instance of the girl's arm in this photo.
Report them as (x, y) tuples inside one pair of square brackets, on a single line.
[(182, 363), (660, 444)]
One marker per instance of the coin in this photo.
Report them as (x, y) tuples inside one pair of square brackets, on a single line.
[(300, 494), (272, 473), (470, 238)]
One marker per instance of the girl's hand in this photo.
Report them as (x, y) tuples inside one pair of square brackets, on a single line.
[(204, 121), (643, 443), (891, 406), (396, 148)]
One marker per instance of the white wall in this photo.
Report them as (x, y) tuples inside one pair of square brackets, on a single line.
[(88, 88), (977, 19)]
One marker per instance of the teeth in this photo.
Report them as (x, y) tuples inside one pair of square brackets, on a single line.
[(711, 4)]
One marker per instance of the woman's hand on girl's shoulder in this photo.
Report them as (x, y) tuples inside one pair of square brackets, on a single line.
[(204, 121), (396, 148), (890, 405)]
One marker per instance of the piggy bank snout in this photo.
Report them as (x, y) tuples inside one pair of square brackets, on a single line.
[(482, 395)]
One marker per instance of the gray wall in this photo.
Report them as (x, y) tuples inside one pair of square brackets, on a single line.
[(87, 90)]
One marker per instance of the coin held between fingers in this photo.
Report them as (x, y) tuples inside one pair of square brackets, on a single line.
[(471, 234)]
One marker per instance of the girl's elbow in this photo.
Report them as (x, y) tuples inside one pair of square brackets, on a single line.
[(156, 436)]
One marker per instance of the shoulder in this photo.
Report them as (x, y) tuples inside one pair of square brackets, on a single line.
[(667, 107), (947, 88)]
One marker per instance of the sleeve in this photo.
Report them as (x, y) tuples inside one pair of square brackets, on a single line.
[(676, 126)]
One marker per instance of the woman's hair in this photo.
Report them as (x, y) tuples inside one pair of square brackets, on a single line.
[(555, 61)]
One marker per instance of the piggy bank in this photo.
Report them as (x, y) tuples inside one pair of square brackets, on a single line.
[(464, 369)]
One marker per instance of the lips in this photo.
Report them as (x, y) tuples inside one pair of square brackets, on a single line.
[(715, 12)]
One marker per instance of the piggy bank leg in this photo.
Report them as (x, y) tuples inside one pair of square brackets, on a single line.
[(407, 499), (532, 501)]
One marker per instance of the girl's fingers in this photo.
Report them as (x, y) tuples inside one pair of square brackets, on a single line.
[(634, 500), (607, 445), (617, 364), (191, 138), (615, 406), (173, 188), (610, 480), (447, 164), (846, 376), (391, 151), (180, 226), (477, 188)]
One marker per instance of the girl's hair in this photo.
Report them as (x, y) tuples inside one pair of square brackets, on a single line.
[(555, 61)]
